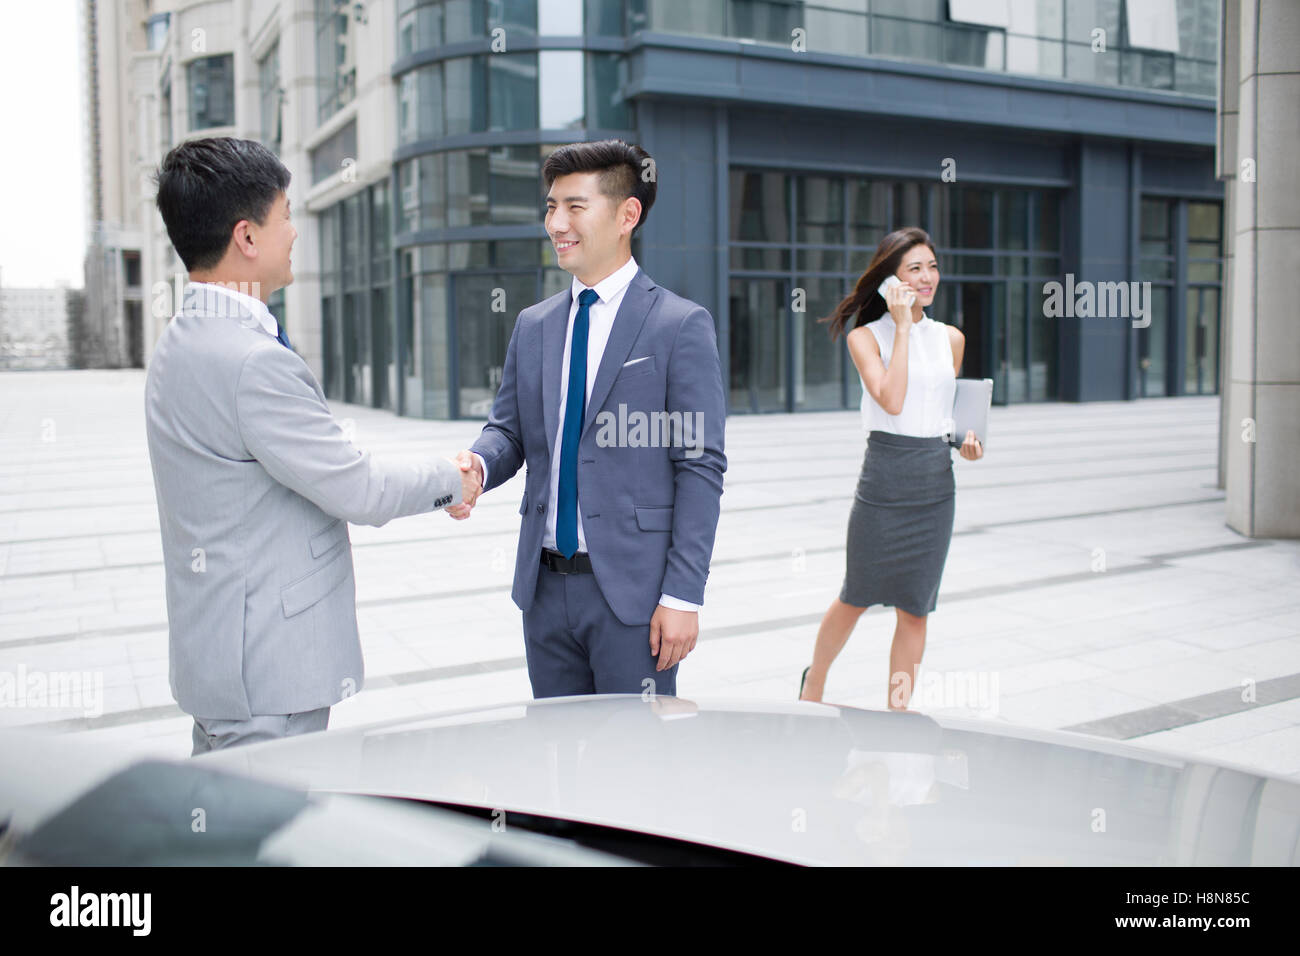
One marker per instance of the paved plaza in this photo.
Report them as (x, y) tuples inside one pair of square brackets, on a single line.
[(1092, 583)]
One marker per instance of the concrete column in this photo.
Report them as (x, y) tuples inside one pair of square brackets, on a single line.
[(1262, 371)]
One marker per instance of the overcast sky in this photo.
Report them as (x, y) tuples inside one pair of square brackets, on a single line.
[(42, 184)]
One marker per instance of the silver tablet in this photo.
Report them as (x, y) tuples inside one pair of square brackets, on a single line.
[(970, 410)]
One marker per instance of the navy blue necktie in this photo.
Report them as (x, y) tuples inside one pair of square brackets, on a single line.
[(282, 338), (575, 409)]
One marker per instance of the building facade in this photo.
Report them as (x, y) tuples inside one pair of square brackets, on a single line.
[(34, 327), (1040, 142)]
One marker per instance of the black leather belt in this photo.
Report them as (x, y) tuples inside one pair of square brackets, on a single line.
[(580, 563)]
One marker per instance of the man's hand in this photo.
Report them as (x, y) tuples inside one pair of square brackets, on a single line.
[(672, 635), (471, 485)]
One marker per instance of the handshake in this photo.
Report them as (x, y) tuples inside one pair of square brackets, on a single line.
[(471, 485)]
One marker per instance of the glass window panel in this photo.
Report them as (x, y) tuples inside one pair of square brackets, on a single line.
[(1085, 65), (212, 91), (1013, 219), (819, 260), (561, 89), (555, 281), (1152, 345), (1201, 375), (606, 80), (459, 201), (1198, 77), (759, 348), (705, 17), (381, 226), (516, 186), (516, 17), (465, 84), (419, 104), (1017, 369), (868, 212), (1204, 221), (1152, 25), (419, 29), (559, 18), (977, 265), (974, 226), (760, 207), (972, 46), (486, 308), (464, 20), (859, 259), (906, 38), (821, 209), (605, 18), (354, 255), (429, 321), (763, 20), (1155, 269), (764, 260), (1202, 271), (1047, 224), (1152, 70), (1081, 16), (818, 366), (833, 31), (1045, 266), (1043, 364), (513, 90), (908, 206), (1155, 219), (516, 253)]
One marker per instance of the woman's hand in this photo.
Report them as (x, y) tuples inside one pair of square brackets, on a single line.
[(971, 449), (900, 301)]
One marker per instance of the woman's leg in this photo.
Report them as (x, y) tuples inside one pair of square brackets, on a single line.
[(905, 658), (834, 632)]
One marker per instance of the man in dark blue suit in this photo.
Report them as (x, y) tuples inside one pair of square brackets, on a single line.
[(612, 399)]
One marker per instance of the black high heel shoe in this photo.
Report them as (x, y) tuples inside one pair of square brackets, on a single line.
[(803, 679)]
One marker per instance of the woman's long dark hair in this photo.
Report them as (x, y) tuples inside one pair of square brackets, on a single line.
[(864, 303)]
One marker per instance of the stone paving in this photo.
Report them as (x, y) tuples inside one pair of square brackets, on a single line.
[(1092, 583)]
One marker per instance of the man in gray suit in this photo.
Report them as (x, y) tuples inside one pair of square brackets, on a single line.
[(255, 480), (611, 397)]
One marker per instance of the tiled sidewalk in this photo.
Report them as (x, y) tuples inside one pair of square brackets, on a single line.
[(1092, 583)]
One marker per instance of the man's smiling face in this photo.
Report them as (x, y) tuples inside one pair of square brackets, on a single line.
[(589, 230)]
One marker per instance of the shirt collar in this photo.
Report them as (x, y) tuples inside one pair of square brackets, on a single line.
[(612, 284), (250, 304)]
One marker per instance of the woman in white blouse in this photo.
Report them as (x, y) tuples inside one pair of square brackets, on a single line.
[(901, 522)]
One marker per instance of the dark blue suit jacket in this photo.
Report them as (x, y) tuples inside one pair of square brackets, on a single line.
[(649, 496)]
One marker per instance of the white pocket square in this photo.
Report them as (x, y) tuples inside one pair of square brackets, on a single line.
[(634, 361)]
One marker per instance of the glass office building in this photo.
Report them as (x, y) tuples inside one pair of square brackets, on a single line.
[(1038, 141)]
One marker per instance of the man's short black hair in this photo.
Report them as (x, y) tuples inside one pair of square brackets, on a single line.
[(625, 170), (205, 186)]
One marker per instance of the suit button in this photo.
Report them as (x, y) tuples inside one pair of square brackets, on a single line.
[(541, 508)]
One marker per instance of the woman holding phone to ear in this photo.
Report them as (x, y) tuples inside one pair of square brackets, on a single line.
[(901, 522)]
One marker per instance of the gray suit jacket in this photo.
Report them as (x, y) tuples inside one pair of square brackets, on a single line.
[(649, 506), (256, 483)]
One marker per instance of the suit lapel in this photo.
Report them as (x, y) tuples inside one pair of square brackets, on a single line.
[(632, 312), (555, 326)]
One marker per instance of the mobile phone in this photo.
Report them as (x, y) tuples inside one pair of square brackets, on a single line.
[(890, 282)]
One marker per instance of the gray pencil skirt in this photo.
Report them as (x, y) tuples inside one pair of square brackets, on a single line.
[(901, 524)]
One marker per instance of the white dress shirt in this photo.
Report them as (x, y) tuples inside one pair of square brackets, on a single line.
[(931, 381), (600, 322), (265, 320)]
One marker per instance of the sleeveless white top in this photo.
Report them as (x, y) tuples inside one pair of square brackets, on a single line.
[(931, 382)]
